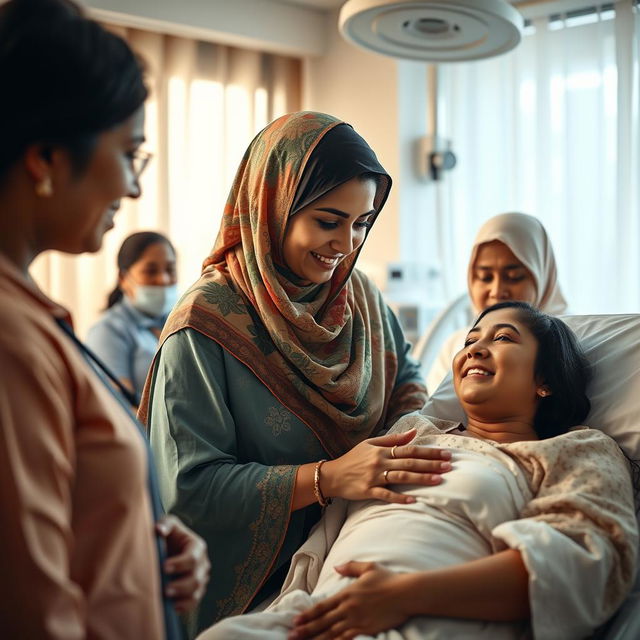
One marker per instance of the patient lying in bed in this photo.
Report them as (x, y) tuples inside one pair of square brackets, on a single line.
[(525, 492)]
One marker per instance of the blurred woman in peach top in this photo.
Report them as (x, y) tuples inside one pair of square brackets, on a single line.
[(85, 549)]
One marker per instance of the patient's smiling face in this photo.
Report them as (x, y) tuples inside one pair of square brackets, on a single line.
[(494, 373)]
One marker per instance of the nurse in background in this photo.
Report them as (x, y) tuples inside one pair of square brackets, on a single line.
[(126, 335), (511, 259)]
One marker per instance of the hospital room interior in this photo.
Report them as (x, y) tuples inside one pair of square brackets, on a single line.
[(503, 137)]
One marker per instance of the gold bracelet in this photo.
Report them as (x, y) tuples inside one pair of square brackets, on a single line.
[(316, 485)]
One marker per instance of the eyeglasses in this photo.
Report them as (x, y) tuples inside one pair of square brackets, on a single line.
[(139, 161)]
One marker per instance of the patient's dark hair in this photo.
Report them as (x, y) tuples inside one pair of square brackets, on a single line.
[(560, 364), (65, 79)]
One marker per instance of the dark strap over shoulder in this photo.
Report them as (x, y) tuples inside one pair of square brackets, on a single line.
[(171, 623)]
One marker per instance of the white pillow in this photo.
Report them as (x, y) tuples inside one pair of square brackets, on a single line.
[(612, 346)]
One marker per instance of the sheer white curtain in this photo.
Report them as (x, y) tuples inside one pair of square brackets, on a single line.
[(207, 102), (552, 129)]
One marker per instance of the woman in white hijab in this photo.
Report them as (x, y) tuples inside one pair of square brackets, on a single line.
[(511, 259)]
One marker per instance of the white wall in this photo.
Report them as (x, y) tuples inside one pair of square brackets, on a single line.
[(273, 27)]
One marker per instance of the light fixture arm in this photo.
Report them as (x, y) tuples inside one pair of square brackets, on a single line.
[(433, 95)]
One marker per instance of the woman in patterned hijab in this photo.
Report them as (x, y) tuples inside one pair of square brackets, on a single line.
[(279, 356)]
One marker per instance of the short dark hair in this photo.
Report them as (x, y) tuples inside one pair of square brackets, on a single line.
[(129, 253), (560, 364), (65, 80)]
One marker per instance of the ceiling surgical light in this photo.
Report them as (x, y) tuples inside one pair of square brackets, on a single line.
[(432, 30)]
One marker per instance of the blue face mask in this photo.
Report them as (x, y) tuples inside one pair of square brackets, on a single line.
[(155, 301)]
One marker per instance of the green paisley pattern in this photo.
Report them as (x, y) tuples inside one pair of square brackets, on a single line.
[(222, 297)]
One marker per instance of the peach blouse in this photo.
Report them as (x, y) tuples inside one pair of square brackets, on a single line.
[(79, 557)]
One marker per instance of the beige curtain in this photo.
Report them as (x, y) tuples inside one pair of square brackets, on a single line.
[(207, 102)]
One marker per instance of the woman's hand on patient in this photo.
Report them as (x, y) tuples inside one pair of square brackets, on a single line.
[(360, 473), (368, 606), (187, 565)]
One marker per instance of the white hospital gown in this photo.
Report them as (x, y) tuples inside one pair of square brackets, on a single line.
[(566, 503)]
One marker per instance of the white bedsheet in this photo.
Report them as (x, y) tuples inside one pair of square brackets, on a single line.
[(476, 511)]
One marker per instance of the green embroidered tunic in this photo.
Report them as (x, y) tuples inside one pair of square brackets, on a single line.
[(227, 452)]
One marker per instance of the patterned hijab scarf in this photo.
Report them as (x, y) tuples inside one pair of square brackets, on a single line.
[(324, 350), (529, 242)]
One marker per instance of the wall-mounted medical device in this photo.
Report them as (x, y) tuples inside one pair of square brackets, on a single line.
[(434, 156)]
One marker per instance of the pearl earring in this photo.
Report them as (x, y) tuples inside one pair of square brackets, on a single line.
[(44, 188)]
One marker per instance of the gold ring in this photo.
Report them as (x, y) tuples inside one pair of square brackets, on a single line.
[(393, 451), (386, 475)]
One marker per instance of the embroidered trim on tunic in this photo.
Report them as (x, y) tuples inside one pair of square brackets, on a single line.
[(268, 532)]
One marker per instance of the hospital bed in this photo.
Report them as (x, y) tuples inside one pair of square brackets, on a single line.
[(612, 345), (454, 316)]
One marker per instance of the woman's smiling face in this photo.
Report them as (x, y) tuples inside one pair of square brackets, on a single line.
[(324, 233), (494, 373), (81, 209)]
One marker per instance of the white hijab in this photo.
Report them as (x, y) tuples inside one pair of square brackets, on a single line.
[(528, 240)]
